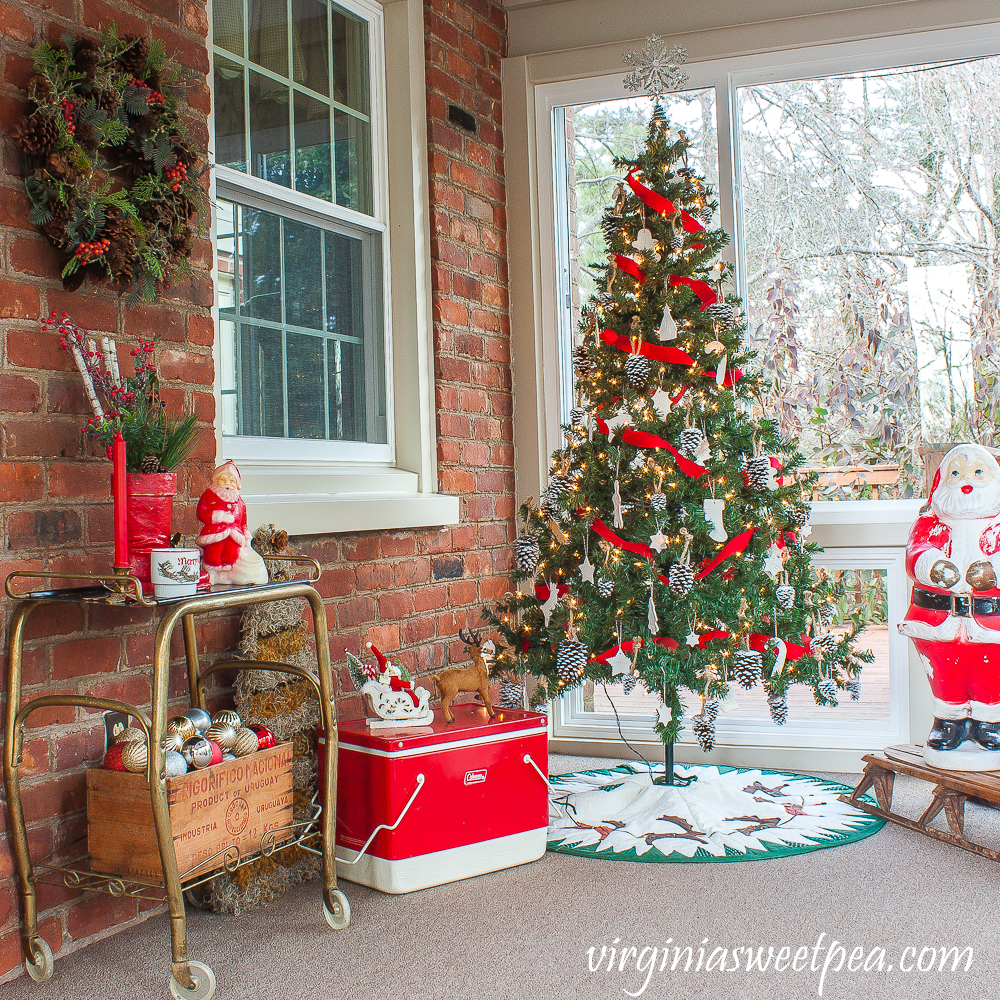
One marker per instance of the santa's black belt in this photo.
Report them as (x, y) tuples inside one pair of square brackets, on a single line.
[(962, 605)]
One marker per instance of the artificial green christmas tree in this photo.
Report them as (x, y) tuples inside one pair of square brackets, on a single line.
[(670, 543)]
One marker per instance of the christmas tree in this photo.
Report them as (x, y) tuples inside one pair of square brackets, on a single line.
[(670, 546)]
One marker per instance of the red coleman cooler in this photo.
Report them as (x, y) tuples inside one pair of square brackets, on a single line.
[(420, 807)]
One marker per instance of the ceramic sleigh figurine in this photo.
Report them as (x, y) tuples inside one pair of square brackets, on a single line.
[(390, 692), (227, 555), (953, 558)]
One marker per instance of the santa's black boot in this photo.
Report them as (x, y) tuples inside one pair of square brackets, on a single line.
[(946, 734), (987, 734)]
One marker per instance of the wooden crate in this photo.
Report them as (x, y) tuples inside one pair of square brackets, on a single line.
[(235, 802)]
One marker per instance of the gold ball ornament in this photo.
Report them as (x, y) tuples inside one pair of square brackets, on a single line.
[(246, 743), (133, 734), (172, 741), (222, 733), (135, 757), (183, 726), (228, 715)]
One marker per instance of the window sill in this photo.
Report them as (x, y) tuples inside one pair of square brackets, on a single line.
[(317, 501)]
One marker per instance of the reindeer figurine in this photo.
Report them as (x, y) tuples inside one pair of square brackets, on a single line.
[(473, 678)]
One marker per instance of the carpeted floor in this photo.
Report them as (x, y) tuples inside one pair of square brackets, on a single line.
[(526, 932)]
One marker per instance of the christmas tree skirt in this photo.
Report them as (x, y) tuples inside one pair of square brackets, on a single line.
[(726, 814)]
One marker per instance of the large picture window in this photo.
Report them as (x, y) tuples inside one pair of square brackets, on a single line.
[(300, 226)]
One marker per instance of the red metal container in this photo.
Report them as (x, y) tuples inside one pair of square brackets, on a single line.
[(449, 801)]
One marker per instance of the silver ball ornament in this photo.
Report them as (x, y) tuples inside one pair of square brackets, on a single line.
[(172, 742), (197, 752), (174, 765), (201, 719)]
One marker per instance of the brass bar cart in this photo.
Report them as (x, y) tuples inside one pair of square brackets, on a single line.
[(70, 866)]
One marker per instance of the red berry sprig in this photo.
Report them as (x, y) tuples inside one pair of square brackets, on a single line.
[(90, 250), (177, 175), (68, 107)]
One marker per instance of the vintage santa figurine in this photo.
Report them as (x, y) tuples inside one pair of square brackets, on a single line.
[(226, 553), (954, 615)]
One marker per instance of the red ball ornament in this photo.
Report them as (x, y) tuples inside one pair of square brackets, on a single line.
[(113, 758), (216, 753), (265, 738)]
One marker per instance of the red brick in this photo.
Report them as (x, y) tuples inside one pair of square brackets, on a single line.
[(80, 479), (18, 394), (43, 439), (35, 349), (412, 571), (81, 747), (18, 301), (97, 914), (336, 583), (38, 257), (187, 53), (196, 20), (90, 311), (43, 528), (20, 481), (374, 576), (187, 367), (133, 690), (356, 612), (430, 598), (14, 204), (15, 23), (56, 797), (361, 548), (466, 287), (155, 321), (201, 330), (85, 656), (395, 606), (398, 544)]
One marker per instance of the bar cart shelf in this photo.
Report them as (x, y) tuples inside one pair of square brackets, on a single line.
[(71, 866)]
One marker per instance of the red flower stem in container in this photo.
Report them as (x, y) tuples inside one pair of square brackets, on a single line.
[(118, 494)]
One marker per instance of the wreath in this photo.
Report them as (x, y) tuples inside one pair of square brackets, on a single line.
[(112, 178)]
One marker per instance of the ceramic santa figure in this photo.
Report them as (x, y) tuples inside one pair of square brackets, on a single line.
[(226, 553), (953, 558)]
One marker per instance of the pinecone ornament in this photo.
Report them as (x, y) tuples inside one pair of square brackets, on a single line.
[(605, 587), (706, 214), (658, 501), (577, 416), (691, 440), (628, 683), (778, 708), (676, 242), (785, 594), (826, 614), (827, 687), (681, 578), (37, 134), (583, 364), (711, 709), (826, 642), (511, 694), (747, 664), (548, 504), (797, 516), (558, 484), (722, 311), (526, 553), (704, 731), (758, 472), (149, 464), (637, 370), (571, 658), (854, 686)]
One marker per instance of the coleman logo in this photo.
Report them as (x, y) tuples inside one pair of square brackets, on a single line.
[(475, 777)]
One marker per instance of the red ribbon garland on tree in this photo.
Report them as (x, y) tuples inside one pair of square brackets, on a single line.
[(644, 439), (658, 203), (705, 292), (627, 647), (792, 651), (629, 266), (671, 355), (734, 547), (542, 593), (637, 547)]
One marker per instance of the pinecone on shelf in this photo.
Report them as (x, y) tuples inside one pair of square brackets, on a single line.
[(511, 694), (827, 687), (133, 59), (605, 587), (629, 682), (691, 439), (149, 464), (526, 553), (758, 471), (637, 370), (747, 665), (704, 731), (722, 311), (577, 416), (571, 658), (680, 578), (785, 595), (583, 364), (37, 134), (658, 501), (854, 686), (778, 708)]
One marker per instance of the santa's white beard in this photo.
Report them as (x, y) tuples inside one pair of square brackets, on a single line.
[(983, 501), (226, 495)]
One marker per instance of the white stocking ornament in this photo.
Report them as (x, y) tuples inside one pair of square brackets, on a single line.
[(713, 513)]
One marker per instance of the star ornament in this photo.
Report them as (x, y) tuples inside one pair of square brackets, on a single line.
[(621, 419), (661, 403), (773, 564), (658, 541), (619, 663), (655, 69), (692, 638), (587, 570)]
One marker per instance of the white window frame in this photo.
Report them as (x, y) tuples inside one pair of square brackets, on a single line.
[(850, 531), (313, 486)]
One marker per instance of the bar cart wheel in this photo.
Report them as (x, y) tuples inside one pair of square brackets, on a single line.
[(40, 966), (337, 911), (204, 983)]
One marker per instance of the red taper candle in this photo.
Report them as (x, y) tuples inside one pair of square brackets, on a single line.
[(120, 497)]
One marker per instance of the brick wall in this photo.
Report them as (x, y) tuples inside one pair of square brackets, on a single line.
[(409, 591)]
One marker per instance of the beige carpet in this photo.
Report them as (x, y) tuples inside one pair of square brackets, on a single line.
[(526, 932)]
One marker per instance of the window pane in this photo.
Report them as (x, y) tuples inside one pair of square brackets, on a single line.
[(260, 265), (269, 133), (312, 147), (303, 275), (350, 60), (305, 386), (230, 116), (871, 282), (227, 25), (260, 370), (352, 158), (310, 46), (269, 35)]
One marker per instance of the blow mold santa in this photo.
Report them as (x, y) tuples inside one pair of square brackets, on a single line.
[(226, 553), (953, 558)]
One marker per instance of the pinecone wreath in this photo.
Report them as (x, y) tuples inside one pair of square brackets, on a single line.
[(778, 708), (747, 664), (704, 731), (571, 658), (583, 364), (785, 596), (637, 370), (511, 694), (37, 135), (526, 553)]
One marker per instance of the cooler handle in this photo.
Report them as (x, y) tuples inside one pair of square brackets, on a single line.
[(383, 826), (541, 774)]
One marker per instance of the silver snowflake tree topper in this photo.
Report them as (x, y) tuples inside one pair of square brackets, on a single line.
[(655, 71)]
